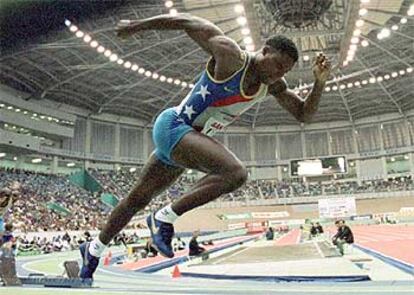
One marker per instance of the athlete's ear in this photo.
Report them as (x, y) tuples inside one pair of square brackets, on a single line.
[(266, 50)]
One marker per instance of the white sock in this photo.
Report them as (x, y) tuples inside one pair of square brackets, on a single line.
[(96, 247), (166, 214)]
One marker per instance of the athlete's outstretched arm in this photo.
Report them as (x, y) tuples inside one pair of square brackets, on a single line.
[(303, 110), (202, 31)]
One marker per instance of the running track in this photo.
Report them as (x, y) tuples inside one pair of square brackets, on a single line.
[(396, 241)]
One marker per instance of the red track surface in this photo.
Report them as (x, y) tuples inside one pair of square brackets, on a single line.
[(290, 238), (394, 241)]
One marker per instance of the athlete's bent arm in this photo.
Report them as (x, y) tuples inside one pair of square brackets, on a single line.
[(303, 110), (210, 37)]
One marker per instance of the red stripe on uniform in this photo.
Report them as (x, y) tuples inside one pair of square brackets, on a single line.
[(229, 100)]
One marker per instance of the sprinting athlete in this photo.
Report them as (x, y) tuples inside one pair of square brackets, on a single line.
[(233, 81)]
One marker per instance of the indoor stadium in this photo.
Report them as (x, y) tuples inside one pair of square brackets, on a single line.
[(206, 147)]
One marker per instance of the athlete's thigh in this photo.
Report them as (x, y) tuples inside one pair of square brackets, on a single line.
[(198, 151), (156, 176)]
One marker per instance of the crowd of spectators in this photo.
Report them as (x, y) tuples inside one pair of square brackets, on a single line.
[(86, 211), (30, 213)]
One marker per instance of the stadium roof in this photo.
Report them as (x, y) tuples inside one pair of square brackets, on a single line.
[(42, 56)]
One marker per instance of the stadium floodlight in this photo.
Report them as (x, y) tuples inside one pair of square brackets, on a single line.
[(359, 23), (70, 164), (403, 20), (379, 79), (394, 27), (170, 80), (148, 73), (120, 61), (306, 57), (327, 89), (107, 52), (113, 57), (93, 44), (173, 12), (132, 169), (169, 4), (155, 76), (364, 43), (394, 74), (79, 34), (363, 11), (387, 77), (100, 49), (354, 40), (177, 82), (402, 72), (163, 78), (134, 67), (184, 84), (141, 71), (245, 31), (241, 20), (127, 64), (409, 70), (73, 28), (239, 8), (372, 80), (357, 32), (87, 39), (67, 23), (36, 160), (248, 40)]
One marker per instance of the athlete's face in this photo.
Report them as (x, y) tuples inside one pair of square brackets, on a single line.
[(274, 65)]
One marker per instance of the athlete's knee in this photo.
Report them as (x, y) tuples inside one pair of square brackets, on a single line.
[(236, 176)]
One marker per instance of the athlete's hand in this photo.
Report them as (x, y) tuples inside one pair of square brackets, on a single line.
[(321, 68), (126, 28)]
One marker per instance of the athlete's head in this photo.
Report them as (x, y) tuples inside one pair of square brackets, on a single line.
[(278, 56)]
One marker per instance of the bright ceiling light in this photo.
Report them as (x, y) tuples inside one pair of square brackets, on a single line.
[(173, 12), (364, 1), (410, 12), (155, 76), (127, 64), (17, 110), (250, 47), (73, 28), (349, 85), (245, 31), (385, 32), (334, 88), (134, 67), (191, 85), (380, 79), (357, 32), (372, 80), (248, 40), (120, 61), (107, 53), (394, 27), (402, 72), (177, 82), (327, 89), (239, 8), (342, 86), (141, 71), (113, 57), (387, 77), (79, 34), (70, 164), (163, 78), (67, 23), (345, 63), (353, 47), (93, 44), (409, 70), (354, 40), (363, 11), (184, 84), (364, 82), (241, 20), (87, 39), (10, 107), (364, 43), (148, 73), (170, 80), (169, 4), (403, 20), (359, 23), (37, 160), (357, 83), (380, 36), (306, 57), (394, 74), (100, 49)]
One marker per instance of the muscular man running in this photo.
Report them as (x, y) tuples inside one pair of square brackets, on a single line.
[(233, 81)]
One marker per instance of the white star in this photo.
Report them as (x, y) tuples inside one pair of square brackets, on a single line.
[(203, 91), (189, 111)]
